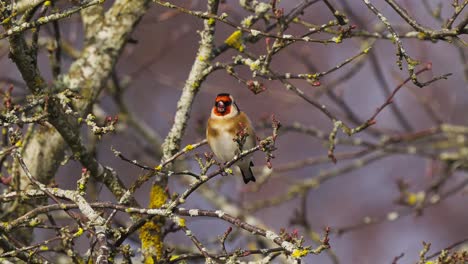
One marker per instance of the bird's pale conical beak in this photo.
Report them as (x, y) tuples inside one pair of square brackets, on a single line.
[(221, 107)]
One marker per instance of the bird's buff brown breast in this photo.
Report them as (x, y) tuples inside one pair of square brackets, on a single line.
[(231, 125)]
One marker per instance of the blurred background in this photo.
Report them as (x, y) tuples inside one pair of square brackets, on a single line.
[(156, 64)]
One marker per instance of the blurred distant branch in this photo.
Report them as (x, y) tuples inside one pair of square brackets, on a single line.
[(438, 148), (389, 100), (301, 187), (416, 202), (139, 125)]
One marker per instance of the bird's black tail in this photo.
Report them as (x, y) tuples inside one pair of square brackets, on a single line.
[(247, 174)]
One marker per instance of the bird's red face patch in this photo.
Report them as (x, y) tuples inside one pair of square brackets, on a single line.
[(223, 104)]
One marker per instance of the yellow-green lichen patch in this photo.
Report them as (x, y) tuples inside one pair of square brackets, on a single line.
[(150, 233), (235, 40), (151, 243), (299, 253)]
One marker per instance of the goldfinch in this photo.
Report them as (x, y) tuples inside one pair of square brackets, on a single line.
[(223, 126)]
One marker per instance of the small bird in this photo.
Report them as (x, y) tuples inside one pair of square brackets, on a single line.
[(224, 124)]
